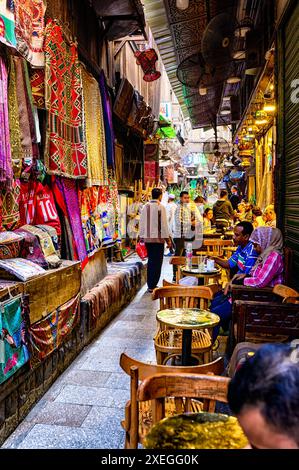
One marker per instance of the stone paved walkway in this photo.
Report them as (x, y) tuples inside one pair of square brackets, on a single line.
[(83, 408)]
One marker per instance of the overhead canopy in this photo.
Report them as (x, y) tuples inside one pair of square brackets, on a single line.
[(165, 131), (120, 18)]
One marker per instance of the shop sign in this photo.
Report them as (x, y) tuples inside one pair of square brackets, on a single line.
[(166, 110)]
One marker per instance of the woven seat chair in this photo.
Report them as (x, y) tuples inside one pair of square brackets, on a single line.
[(214, 247), (184, 387), (139, 416), (168, 341)]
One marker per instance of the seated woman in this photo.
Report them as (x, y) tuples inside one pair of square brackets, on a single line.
[(207, 219), (267, 271)]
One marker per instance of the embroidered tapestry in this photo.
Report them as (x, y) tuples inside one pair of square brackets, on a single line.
[(29, 30), (7, 23), (13, 107), (37, 79), (91, 220), (10, 206), (49, 333), (14, 321), (94, 130), (6, 172), (65, 152)]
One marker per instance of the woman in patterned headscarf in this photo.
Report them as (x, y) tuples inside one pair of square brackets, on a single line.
[(268, 269)]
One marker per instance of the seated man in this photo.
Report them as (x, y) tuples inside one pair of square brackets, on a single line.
[(264, 395), (242, 261)]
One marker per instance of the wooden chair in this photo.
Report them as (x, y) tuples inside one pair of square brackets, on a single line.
[(214, 247), (168, 341), (160, 387), (138, 417), (180, 261), (213, 287), (287, 294)]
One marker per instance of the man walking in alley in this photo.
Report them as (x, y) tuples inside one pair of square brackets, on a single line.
[(170, 212), (223, 210), (187, 226), (154, 231)]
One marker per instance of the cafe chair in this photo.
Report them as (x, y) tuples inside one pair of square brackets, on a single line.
[(168, 341), (181, 261), (138, 416), (185, 387), (214, 247)]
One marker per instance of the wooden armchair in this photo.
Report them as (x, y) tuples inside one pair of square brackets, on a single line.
[(138, 416), (180, 261), (160, 387), (264, 321), (168, 341), (214, 247)]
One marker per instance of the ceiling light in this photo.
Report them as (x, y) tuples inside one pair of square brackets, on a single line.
[(233, 79), (225, 112), (202, 90), (226, 98), (269, 107), (182, 4)]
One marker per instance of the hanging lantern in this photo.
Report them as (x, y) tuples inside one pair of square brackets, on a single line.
[(147, 59)]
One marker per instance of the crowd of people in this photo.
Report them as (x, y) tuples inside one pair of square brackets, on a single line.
[(264, 390)]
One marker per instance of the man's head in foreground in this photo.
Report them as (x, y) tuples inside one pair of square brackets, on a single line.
[(264, 395)]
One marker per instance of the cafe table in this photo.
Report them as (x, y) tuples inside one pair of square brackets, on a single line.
[(203, 275), (196, 431), (188, 319)]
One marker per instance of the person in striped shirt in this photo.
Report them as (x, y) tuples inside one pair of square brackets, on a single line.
[(268, 269), (241, 261)]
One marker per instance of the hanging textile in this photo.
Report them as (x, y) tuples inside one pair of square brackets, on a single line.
[(6, 172), (49, 333), (14, 322), (14, 122), (7, 23), (10, 206), (37, 80), (25, 110), (65, 151), (94, 130), (107, 113), (66, 189), (91, 221), (29, 30)]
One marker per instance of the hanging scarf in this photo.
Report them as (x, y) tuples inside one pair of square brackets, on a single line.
[(269, 239), (107, 113), (6, 172)]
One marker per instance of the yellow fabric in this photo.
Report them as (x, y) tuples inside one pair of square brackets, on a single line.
[(94, 131)]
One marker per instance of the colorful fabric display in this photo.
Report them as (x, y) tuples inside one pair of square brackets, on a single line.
[(107, 113), (94, 130), (14, 121), (30, 248), (37, 205), (29, 30), (20, 268), (91, 222), (54, 236), (46, 245), (10, 206), (6, 172), (65, 152), (37, 80), (50, 332), (10, 245), (66, 195), (14, 352), (7, 24)]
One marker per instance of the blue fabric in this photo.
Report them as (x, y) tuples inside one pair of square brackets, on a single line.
[(243, 258), (222, 307)]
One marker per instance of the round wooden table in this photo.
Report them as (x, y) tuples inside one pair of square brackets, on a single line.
[(204, 275), (188, 319), (196, 431)]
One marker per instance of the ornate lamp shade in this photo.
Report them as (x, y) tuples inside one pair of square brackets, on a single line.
[(147, 59)]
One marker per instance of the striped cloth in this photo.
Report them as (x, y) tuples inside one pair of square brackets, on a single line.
[(153, 223), (244, 259), (267, 274)]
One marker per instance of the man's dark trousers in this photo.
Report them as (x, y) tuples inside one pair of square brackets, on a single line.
[(179, 251), (155, 252)]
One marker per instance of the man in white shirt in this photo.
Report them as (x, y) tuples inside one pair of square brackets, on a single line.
[(154, 232), (170, 211)]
